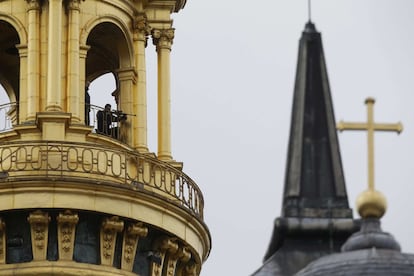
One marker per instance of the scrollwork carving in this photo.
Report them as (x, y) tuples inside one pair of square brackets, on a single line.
[(110, 228), (163, 246), (131, 238), (66, 233)]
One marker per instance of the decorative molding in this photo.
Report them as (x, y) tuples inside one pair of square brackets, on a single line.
[(67, 222), (2, 241), (109, 230), (163, 38), (39, 226), (130, 243)]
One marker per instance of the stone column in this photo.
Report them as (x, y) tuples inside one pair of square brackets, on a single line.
[(131, 238), (163, 39), (33, 62), (54, 57), (39, 226), (66, 234), (109, 230), (141, 30), (72, 87)]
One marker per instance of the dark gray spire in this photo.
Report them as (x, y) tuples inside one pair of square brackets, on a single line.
[(314, 182), (316, 219)]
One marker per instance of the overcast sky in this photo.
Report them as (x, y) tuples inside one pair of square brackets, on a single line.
[(234, 64), (233, 68)]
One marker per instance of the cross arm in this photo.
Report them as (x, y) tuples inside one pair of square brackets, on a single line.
[(351, 126), (398, 127)]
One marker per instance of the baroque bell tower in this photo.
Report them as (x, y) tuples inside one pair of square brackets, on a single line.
[(80, 191)]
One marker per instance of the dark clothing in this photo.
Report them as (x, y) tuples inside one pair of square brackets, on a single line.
[(105, 120), (87, 107), (108, 123)]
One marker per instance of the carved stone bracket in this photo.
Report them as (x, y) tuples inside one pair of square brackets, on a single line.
[(130, 243), (109, 230), (163, 38), (183, 255), (39, 225), (67, 222), (163, 246), (2, 242)]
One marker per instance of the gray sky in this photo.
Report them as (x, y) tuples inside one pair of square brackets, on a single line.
[(233, 75), (233, 68)]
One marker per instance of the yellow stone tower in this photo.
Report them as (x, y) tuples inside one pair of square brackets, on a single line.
[(80, 192)]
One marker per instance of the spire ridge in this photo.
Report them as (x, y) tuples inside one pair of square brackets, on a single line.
[(314, 181)]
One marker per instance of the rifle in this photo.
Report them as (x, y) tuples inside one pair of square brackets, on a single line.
[(120, 113)]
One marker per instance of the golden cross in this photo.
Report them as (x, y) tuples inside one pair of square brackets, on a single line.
[(370, 126)]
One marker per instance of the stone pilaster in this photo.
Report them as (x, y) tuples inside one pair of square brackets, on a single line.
[(109, 230), (67, 222), (162, 247), (163, 39), (127, 79), (39, 226), (132, 235)]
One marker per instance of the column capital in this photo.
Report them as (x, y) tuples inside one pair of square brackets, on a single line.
[(33, 5), (73, 5), (141, 27), (163, 38)]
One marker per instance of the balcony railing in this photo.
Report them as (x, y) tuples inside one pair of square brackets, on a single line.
[(67, 161), (8, 116)]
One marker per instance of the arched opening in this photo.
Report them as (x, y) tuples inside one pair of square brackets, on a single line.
[(108, 54), (9, 75)]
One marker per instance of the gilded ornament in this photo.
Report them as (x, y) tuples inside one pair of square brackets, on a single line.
[(370, 203)]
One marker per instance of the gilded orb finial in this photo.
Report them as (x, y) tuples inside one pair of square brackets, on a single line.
[(370, 203)]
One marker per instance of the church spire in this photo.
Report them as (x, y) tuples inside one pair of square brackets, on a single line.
[(316, 219), (314, 181)]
